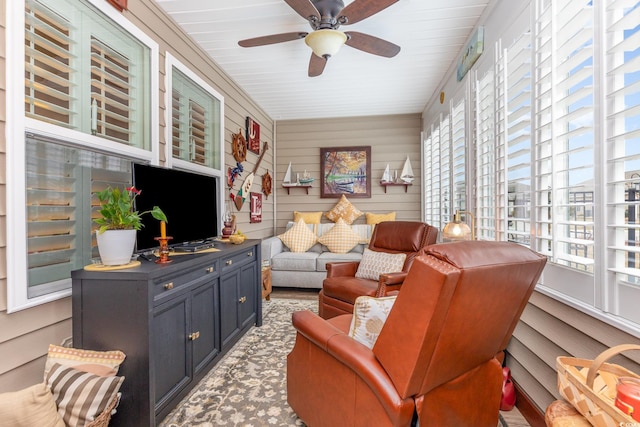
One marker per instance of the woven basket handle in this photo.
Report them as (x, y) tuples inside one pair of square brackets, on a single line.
[(604, 356)]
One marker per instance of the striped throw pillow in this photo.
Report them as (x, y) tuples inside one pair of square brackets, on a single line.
[(80, 396)]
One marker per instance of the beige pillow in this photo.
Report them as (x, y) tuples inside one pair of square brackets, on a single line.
[(105, 363), (369, 315), (81, 396), (298, 238), (373, 264), (340, 239), (373, 219), (345, 210), (307, 217), (33, 406)]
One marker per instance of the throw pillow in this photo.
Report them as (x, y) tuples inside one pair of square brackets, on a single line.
[(340, 239), (81, 396), (369, 315), (32, 406), (307, 217), (345, 210), (373, 264), (105, 363), (373, 219), (298, 238)]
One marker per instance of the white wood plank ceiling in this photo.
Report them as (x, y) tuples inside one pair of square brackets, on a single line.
[(431, 33)]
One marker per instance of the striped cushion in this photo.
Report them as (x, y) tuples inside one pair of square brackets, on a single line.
[(298, 238), (105, 363), (341, 238), (80, 396)]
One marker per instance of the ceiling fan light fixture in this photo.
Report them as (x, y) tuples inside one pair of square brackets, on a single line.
[(325, 42)]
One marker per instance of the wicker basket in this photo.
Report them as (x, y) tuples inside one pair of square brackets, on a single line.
[(590, 386), (103, 419)]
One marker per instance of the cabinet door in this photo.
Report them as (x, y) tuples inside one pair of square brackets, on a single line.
[(203, 333), (229, 326), (171, 354), (248, 294)]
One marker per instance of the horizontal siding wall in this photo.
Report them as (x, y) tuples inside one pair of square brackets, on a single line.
[(391, 139), (26, 335)]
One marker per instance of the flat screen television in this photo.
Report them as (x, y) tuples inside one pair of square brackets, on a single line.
[(190, 201)]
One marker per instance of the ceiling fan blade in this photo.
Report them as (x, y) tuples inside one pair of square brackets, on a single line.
[(274, 38), (362, 9), (304, 8), (371, 44), (316, 65)]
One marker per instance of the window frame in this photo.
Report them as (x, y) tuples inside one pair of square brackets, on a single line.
[(17, 125)]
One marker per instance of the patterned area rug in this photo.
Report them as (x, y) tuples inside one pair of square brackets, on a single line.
[(248, 386)]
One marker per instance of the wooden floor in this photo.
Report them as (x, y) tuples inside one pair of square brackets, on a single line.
[(513, 418)]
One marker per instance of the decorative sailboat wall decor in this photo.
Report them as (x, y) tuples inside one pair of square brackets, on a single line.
[(287, 177), (407, 172), (386, 176)]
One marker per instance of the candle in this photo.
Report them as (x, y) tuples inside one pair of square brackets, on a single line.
[(163, 229), (628, 396)]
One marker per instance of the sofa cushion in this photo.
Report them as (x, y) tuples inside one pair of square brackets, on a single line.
[(301, 261), (373, 218), (32, 406), (374, 264), (345, 210), (341, 238), (325, 257), (298, 238), (369, 315), (307, 217)]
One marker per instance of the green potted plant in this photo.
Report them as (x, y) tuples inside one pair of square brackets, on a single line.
[(118, 223)]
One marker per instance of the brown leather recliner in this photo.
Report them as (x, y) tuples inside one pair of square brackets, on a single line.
[(341, 288), (436, 353)]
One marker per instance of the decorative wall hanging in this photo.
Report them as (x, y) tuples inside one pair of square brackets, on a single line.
[(253, 135), (248, 181), (256, 207), (232, 174), (267, 184), (239, 146), (473, 50), (345, 170)]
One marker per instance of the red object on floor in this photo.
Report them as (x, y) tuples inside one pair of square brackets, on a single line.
[(508, 400)]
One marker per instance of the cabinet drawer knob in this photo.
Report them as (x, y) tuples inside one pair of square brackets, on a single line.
[(194, 335), (168, 286), (229, 261), (250, 253), (211, 269), (242, 300)]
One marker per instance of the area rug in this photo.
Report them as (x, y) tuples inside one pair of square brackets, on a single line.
[(248, 386)]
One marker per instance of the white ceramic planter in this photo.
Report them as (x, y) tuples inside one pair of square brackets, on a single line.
[(116, 246)]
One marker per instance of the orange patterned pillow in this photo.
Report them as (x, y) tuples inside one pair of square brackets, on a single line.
[(345, 210)]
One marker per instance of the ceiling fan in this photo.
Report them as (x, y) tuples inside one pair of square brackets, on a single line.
[(325, 17)]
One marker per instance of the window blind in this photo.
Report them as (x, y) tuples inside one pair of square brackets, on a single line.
[(459, 153), (485, 157)]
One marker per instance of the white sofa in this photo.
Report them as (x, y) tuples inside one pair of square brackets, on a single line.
[(308, 269)]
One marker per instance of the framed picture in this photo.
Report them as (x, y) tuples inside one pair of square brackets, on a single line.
[(253, 135), (256, 207), (345, 170)]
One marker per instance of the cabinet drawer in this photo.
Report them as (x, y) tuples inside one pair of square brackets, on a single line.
[(238, 259), (172, 284)]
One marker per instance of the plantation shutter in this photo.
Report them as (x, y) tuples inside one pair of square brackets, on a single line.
[(485, 158), (446, 169), (458, 146), (433, 185), (622, 66)]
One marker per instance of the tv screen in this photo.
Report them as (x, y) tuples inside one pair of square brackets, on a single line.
[(189, 200)]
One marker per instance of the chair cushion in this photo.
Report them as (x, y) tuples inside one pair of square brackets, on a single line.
[(345, 210), (105, 363), (298, 238), (304, 261), (341, 238), (374, 263), (369, 315), (32, 406), (81, 396), (347, 289)]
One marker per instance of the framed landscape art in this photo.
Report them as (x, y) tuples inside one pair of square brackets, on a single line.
[(345, 170)]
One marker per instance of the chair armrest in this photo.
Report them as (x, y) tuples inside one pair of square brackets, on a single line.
[(390, 282), (271, 246), (342, 269), (357, 357)]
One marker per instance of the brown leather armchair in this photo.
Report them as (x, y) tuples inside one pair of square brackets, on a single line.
[(435, 356), (341, 288)]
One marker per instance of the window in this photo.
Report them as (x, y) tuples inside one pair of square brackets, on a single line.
[(196, 120), (557, 152), (79, 111)]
